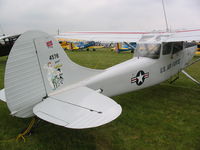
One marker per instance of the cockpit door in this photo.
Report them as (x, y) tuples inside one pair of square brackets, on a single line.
[(176, 57), (171, 58)]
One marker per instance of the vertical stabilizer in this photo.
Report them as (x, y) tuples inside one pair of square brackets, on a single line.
[(37, 66)]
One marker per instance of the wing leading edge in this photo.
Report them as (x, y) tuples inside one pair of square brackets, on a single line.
[(179, 35), (78, 108), (185, 35)]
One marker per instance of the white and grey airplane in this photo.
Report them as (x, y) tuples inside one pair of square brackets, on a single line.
[(41, 80)]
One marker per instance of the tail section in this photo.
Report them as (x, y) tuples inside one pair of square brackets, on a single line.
[(37, 66)]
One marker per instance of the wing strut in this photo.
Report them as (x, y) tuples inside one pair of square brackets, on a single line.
[(190, 77)]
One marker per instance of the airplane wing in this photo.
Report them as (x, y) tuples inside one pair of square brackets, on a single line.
[(2, 95), (185, 35), (103, 36), (78, 108), (180, 35), (9, 36)]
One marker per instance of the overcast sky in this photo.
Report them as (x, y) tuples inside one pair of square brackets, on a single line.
[(17, 16)]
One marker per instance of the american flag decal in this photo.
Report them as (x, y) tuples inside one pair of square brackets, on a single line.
[(49, 44), (140, 77)]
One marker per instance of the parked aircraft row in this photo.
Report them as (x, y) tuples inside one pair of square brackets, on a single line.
[(68, 41)]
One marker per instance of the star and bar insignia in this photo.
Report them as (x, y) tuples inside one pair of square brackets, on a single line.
[(140, 77)]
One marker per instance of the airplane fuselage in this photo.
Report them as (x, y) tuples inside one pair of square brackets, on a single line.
[(140, 72)]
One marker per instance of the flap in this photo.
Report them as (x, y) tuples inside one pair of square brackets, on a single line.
[(78, 108)]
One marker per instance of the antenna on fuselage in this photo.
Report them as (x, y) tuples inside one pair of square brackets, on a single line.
[(167, 28)]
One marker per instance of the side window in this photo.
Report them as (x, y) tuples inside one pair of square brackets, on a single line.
[(177, 46), (190, 44), (167, 47)]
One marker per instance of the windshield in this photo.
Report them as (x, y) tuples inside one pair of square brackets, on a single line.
[(148, 50)]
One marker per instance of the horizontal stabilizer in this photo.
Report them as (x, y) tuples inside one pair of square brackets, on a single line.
[(2, 95), (78, 108)]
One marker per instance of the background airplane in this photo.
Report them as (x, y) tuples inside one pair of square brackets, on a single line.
[(6, 43), (78, 44), (198, 49), (123, 47)]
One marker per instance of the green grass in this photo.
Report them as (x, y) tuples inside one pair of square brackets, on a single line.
[(163, 117)]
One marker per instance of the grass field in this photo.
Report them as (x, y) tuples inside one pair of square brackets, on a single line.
[(162, 117)]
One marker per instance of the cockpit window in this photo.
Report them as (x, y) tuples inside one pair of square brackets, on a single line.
[(167, 47), (172, 46), (148, 50), (177, 46), (190, 44)]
